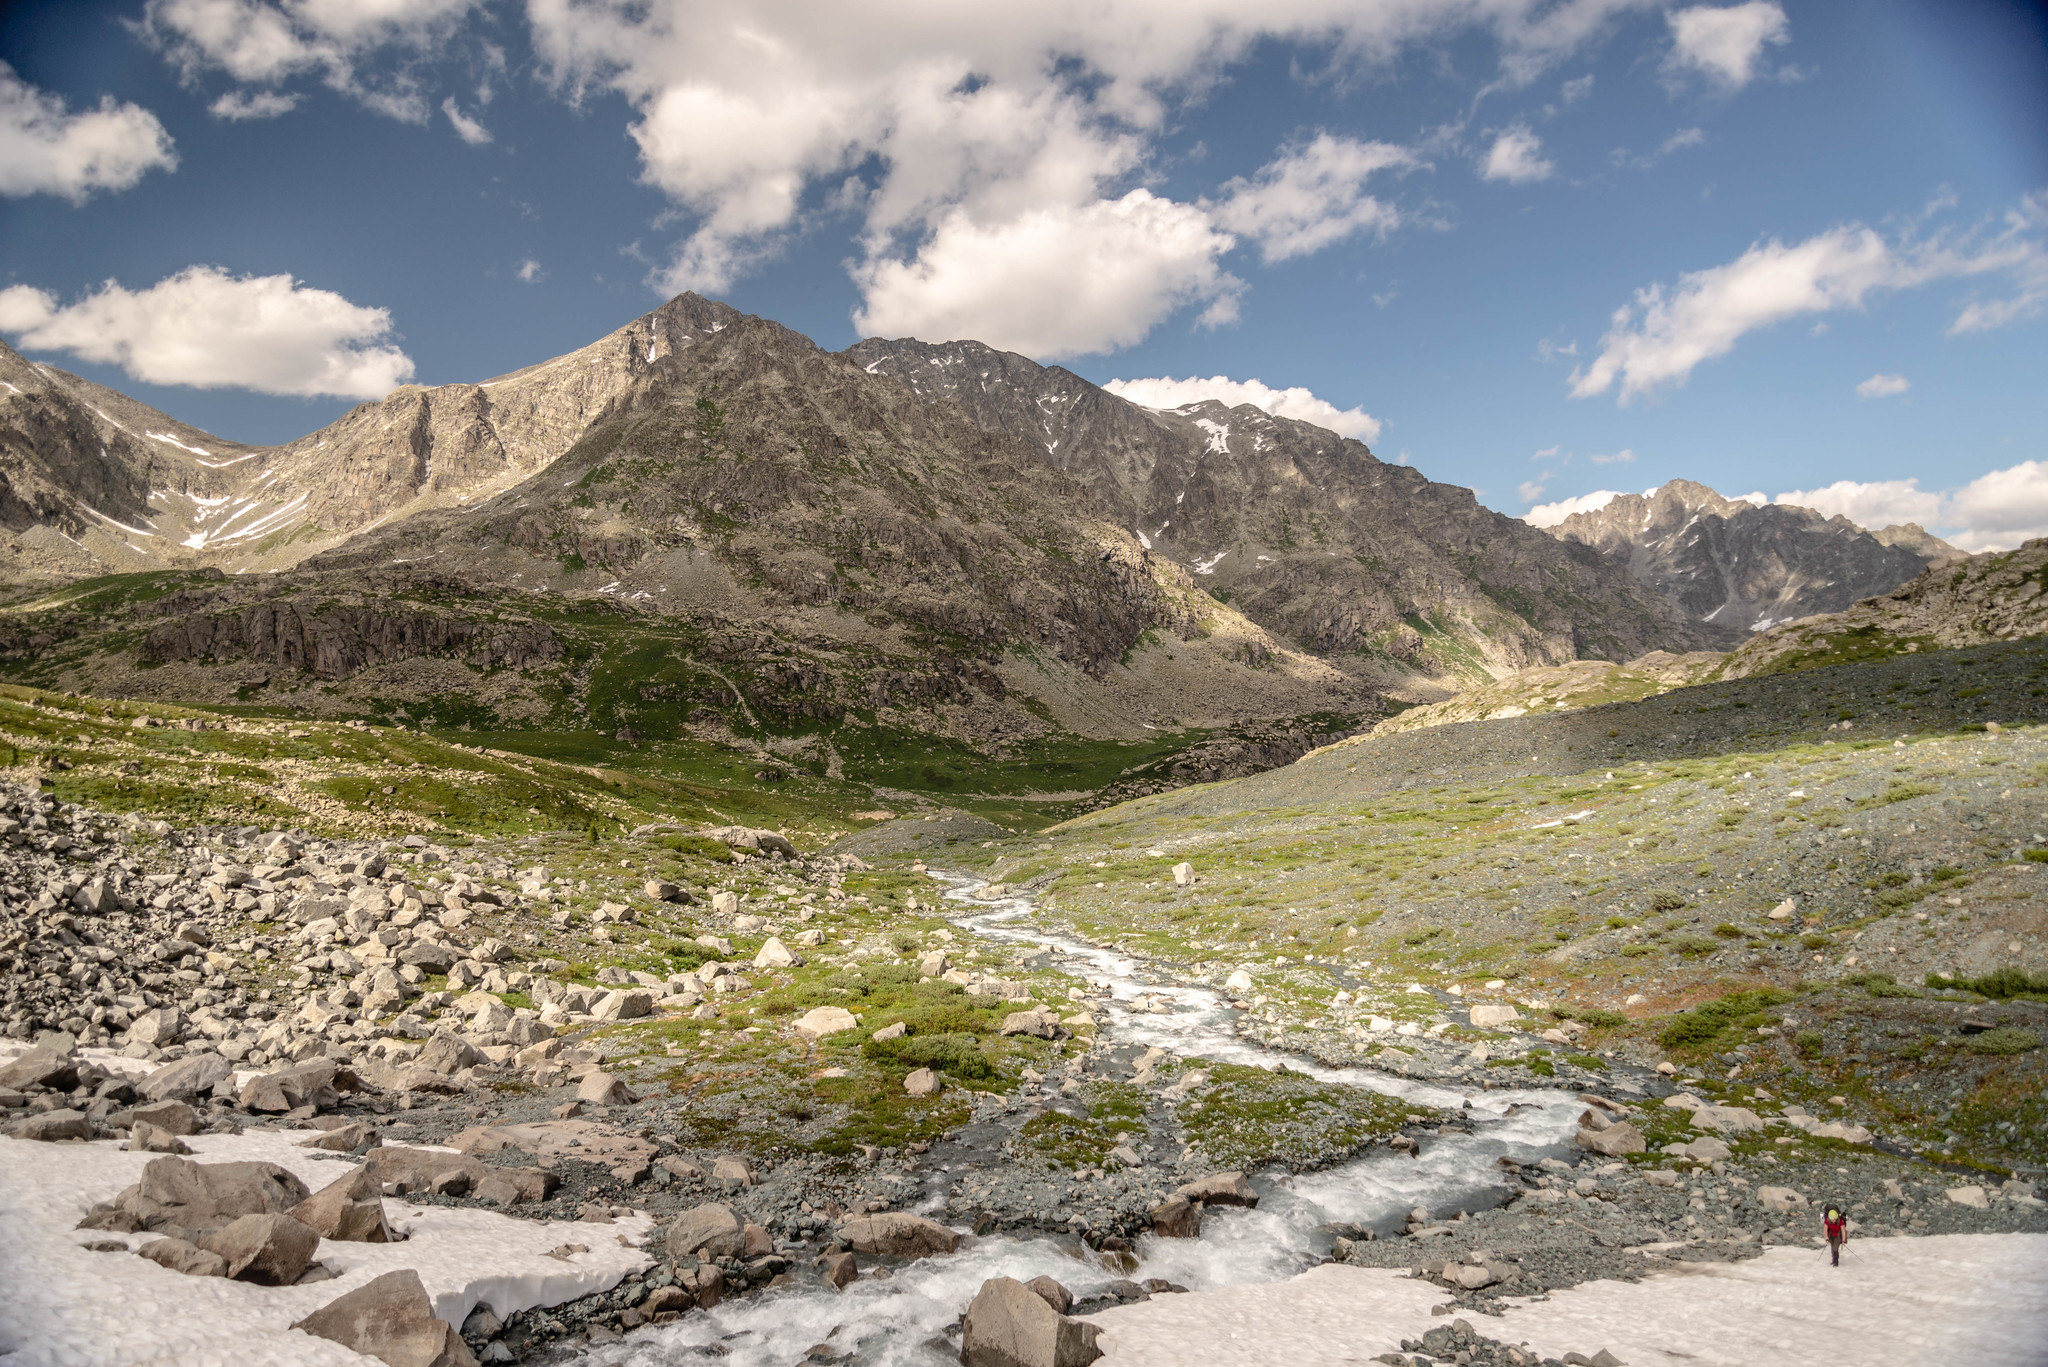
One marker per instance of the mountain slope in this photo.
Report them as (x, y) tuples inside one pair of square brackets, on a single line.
[(1736, 568), (1307, 532), (765, 545), (134, 489)]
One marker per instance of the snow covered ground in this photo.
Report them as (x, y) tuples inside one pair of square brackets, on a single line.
[(62, 1305), (1980, 1299)]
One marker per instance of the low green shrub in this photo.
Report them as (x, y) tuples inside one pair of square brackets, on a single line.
[(1810, 1042), (2003, 984), (2006, 1039), (955, 1054), (1701, 1026)]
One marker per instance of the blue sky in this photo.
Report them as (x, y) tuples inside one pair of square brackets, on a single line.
[(1824, 225)]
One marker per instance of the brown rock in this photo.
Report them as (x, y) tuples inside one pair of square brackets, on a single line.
[(341, 1139), (1052, 1293), (205, 1196), (922, 1082), (1011, 1325), (172, 1116), (349, 1209), (51, 1126), (898, 1235), (270, 1250), (1177, 1218), (144, 1137), (42, 1066), (708, 1230), (840, 1270), (390, 1319), (756, 1242), (191, 1076), (180, 1256)]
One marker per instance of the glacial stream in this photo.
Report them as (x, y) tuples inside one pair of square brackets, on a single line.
[(901, 1320)]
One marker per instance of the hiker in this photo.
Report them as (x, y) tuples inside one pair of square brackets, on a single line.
[(1837, 1225)]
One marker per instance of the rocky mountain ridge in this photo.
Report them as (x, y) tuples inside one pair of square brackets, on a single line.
[(1308, 532), (1736, 567), (130, 488)]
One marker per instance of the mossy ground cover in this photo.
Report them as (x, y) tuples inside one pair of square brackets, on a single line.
[(1244, 1117)]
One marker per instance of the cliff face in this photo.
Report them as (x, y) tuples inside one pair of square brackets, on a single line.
[(1309, 533), (1736, 568)]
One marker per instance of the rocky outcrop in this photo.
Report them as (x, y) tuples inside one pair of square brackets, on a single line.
[(1737, 567), (1997, 596), (334, 641)]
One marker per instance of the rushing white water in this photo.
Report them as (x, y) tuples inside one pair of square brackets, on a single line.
[(900, 1321)]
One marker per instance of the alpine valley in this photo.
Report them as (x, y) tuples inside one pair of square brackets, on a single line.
[(709, 850)]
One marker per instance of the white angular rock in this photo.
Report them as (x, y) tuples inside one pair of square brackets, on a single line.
[(1487, 1015), (825, 1020), (775, 954)]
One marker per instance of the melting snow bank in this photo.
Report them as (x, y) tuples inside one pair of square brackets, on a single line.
[(1980, 1299), (63, 1304)]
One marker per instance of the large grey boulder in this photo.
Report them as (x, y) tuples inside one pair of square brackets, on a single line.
[(392, 1320), (203, 1196), (825, 1020), (1617, 1139), (603, 1089), (287, 1089), (447, 1054), (1010, 1325), (270, 1250), (46, 1065), (51, 1126), (349, 1209), (898, 1235), (191, 1077), (711, 1231)]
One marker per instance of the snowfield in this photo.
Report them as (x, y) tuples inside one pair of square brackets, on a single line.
[(1980, 1299), (65, 1306)]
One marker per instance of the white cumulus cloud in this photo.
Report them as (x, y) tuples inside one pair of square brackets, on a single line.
[(1659, 338), (211, 330), (949, 127), (265, 42), (1995, 511), (1053, 282), (1726, 44), (1882, 386), (1294, 402), (1517, 157), (1313, 195), (1550, 514), (47, 150)]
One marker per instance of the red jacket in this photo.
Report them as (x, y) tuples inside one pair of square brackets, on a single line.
[(1838, 1227)]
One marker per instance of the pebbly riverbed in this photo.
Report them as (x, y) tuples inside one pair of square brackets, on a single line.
[(907, 1315)]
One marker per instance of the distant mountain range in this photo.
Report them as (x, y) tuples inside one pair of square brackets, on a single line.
[(704, 515), (1736, 567)]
